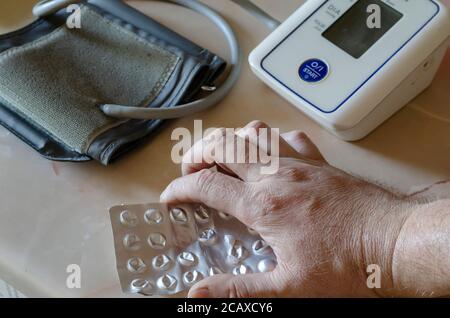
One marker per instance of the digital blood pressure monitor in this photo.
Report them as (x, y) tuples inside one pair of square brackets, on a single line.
[(351, 64)]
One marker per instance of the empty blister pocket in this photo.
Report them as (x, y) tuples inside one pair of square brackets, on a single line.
[(164, 250), (57, 82)]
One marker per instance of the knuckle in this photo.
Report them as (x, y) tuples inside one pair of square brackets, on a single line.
[(257, 124), (299, 135), (204, 180), (238, 289)]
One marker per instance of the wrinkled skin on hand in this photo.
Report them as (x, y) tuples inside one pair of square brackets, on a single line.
[(325, 226)]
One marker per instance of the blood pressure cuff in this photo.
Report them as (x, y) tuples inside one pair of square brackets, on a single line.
[(53, 79)]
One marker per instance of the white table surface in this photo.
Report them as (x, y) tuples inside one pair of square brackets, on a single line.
[(55, 214)]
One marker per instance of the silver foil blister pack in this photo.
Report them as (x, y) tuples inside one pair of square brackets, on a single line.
[(164, 250)]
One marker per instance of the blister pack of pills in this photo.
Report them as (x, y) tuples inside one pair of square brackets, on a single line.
[(164, 250)]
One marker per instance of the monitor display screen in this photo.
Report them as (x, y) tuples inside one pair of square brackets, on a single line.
[(353, 33)]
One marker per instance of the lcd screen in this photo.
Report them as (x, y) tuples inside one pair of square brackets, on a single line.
[(354, 33)]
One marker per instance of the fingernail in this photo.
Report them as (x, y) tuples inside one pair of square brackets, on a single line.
[(199, 293)]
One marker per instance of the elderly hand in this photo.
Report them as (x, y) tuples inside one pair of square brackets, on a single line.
[(324, 225)]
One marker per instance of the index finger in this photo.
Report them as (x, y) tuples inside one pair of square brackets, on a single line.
[(214, 189)]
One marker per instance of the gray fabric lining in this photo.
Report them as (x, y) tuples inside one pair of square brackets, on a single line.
[(58, 81)]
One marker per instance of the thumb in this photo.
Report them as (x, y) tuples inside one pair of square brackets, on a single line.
[(259, 285)]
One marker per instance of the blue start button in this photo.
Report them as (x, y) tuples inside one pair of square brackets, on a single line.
[(313, 70)]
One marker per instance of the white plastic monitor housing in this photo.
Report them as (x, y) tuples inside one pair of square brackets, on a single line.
[(353, 95)]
